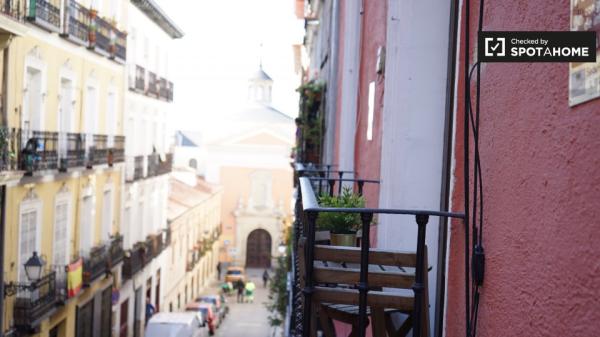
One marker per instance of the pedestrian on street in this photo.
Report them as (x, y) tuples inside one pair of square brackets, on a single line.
[(150, 309), (265, 278), (250, 286), (240, 286), (219, 266)]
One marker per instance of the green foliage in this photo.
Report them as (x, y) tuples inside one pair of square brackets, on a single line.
[(278, 294), (339, 222)]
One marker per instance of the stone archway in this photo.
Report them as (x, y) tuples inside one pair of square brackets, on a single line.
[(258, 249)]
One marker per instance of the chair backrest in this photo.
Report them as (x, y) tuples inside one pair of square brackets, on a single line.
[(336, 272)]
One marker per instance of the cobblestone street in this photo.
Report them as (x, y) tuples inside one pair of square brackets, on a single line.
[(247, 319)]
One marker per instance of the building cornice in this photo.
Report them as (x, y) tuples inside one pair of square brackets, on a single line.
[(158, 16)]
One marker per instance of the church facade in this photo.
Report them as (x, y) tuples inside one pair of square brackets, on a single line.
[(250, 158)]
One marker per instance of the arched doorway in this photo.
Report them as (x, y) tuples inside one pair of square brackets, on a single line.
[(258, 249)]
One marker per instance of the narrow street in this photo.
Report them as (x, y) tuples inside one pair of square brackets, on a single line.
[(247, 319)]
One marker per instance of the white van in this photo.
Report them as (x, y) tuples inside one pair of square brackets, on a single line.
[(176, 324)]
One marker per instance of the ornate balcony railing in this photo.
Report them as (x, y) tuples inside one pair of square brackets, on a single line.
[(38, 151), (134, 261), (101, 40), (117, 254), (167, 235), (307, 211), (120, 43), (118, 149), (44, 13), (192, 259), (100, 150), (71, 150), (138, 168), (163, 93), (150, 249), (95, 265), (153, 160), (153, 85), (165, 166), (140, 78), (35, 302), (76, 22), (12, 8), (170, 91)]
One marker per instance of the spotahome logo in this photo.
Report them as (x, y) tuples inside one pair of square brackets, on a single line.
[(537, 46)]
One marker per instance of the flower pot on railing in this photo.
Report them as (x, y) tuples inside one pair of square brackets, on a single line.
[(110, 157), (342, 226)]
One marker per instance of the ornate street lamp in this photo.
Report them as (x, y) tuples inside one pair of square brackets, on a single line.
[(34, 267)]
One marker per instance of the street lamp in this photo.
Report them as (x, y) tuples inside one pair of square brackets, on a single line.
[(33, 267)]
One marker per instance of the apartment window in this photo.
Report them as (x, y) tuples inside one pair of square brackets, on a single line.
[(61, 232), (28, 240), (86, 224), (107, 215)]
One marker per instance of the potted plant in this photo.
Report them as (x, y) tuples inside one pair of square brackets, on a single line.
[(92, 27), (342, 225)]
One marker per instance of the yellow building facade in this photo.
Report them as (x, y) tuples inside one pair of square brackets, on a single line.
[(62, 88), (194, 216)]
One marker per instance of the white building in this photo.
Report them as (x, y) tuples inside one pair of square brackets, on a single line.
[(147, 106)]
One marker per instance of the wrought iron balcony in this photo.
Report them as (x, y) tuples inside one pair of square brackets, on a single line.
[(117, 254), (153, 85), (76, 23), (192, 259), (138, 168), (134, 260), (163, 93), (95, 265), (13, 8), (39, 151), (170, 91), (165, 166), (359, 294), (117, 150), (153, 160), (100, 38), (167, 235), (140, 78), (71, 150), (99, 150), (120, 46), (151, 248), (35, 302), (44, 13)]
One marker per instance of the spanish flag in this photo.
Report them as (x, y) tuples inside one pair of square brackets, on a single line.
[(74, 278)]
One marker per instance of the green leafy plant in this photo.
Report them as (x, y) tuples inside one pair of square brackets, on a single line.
[(340, 222), (278, 293)]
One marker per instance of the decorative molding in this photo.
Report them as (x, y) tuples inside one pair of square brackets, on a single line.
[(64, 189), (31, 196)]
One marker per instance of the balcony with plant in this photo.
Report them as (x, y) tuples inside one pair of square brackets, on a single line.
[(44, 13)]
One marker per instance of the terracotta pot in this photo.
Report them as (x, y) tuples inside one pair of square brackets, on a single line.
[(348, 240)]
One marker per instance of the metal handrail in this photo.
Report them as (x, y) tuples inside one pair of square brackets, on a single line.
[(311, 210)]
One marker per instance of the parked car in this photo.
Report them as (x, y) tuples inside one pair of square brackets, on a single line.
[(234, 273), (216, 300), (180, 324), (208, 312)]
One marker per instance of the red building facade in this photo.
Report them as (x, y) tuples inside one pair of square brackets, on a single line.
[(539, 156)]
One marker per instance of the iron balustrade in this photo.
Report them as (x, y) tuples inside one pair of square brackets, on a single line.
[(100, 150), (150, 248), (120, 45), (307, 212), (170, 91), (117, 254), (44, 13), (76, 22), (138, 168), (153, 160), (104, 30), (118, 149), (140, 78), (13, 8), (165, 166), (163, 92), (167, 235), (38, 151), (35, 301), (153, 86), (95, 264), (71, 150), (134, 261)]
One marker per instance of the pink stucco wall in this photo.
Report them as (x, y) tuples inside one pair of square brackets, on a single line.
[(541, 170)]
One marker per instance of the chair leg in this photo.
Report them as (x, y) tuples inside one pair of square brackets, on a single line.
[(326, 323), (378, 319)]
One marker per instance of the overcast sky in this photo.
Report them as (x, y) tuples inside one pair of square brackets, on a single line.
[(221, 49)]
